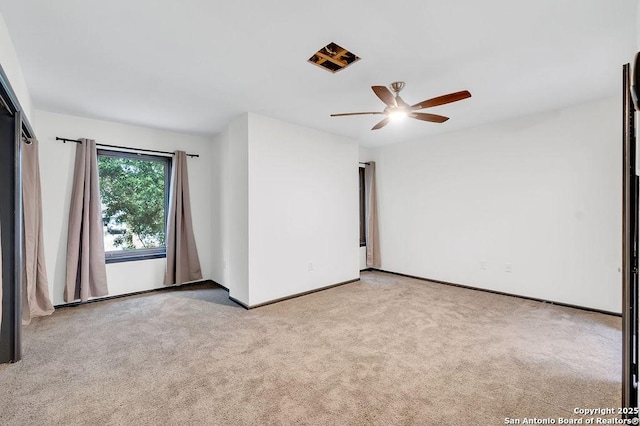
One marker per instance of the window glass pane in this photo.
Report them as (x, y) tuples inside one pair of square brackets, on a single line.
[(134, 195)]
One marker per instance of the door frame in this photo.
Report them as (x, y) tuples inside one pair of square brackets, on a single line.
[(11, 221), (629, 248)]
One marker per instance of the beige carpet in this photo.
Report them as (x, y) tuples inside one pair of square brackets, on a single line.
[(385, 350)]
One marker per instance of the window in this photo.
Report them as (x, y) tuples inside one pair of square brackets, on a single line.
[(363, 232), (135, 194)]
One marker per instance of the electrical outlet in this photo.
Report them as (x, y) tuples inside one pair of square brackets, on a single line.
[(483, 264), (507, 267), (310, 266)]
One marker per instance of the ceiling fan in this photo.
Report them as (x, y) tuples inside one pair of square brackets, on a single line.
[(397, 108)]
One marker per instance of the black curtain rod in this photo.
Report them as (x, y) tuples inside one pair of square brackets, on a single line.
[(65, 140), (365, 163)]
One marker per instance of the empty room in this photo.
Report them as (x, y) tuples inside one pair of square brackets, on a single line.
[(319, 213)]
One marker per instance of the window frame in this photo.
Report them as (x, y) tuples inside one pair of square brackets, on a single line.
[(117, 256), (363, 198)]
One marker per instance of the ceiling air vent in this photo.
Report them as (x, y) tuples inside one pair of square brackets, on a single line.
[(333, 58)]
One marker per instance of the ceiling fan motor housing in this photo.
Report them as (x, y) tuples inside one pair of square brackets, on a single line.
[(397, 86)]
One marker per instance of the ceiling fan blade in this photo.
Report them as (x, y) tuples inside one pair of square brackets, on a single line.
[(428, 117), (441, 100), (355, 113), (381, 124), (385, 95)]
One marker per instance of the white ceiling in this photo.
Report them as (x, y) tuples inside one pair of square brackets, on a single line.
[(194, 65)]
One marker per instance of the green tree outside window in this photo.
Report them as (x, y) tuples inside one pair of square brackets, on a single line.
[(133, 195)]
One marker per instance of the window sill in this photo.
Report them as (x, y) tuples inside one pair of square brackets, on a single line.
[(134, 255), (363, 244)]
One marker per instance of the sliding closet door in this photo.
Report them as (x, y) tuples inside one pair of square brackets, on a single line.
[(11, 235), (629, 251)]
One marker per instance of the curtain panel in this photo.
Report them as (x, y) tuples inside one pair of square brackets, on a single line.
[(35, 287), (86, 270), (371, 215), (183, 264)]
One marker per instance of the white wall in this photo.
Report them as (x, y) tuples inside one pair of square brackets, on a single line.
[(303, 209), (541, 193), (56, 167), (230, 210), (638, 25), (11, 67), (285, 197), (217, 231)]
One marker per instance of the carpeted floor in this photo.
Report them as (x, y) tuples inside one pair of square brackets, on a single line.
[(386, 350)]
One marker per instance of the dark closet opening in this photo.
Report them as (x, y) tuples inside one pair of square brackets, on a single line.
[(13, 126)]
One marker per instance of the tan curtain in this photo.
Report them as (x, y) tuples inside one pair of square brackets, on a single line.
[(86, 271), (183, 264), (371, 215), (35, 288)]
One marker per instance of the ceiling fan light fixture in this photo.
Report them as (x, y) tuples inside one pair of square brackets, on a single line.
[(398, 115)]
